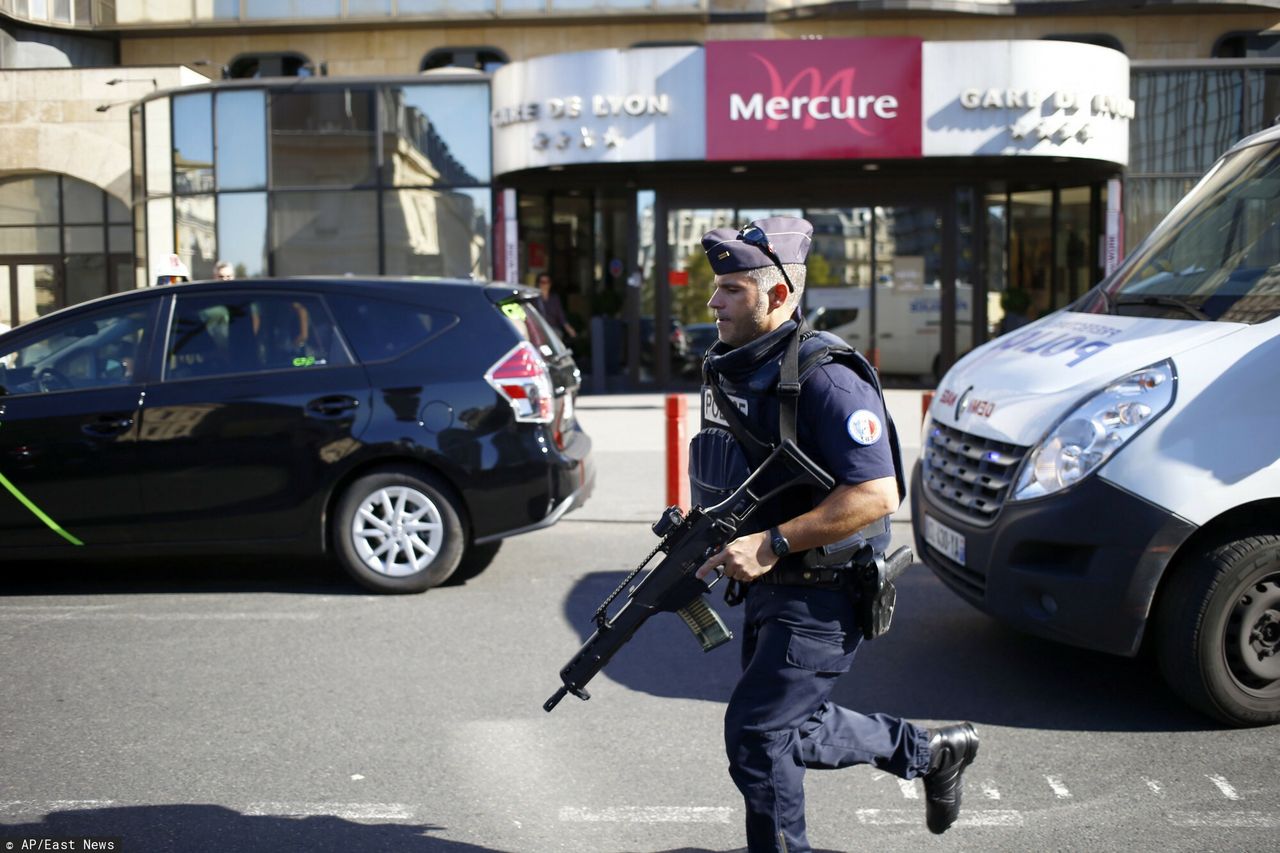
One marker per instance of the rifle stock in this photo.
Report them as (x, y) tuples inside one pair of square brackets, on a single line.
[(687, 540)]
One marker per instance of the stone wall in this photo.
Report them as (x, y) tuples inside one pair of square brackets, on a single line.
[(49, 120)]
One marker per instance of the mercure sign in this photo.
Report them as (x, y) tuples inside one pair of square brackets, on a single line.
[(813, 99)]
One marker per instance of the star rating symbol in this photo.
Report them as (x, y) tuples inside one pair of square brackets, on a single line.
[(612, 139), (541, 141), (1084, 134), (587, 139), (562, 140)]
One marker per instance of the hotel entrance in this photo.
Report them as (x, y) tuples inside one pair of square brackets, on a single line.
[(874, 279)]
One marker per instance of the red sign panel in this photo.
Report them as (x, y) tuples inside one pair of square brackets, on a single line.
[(821, 99)]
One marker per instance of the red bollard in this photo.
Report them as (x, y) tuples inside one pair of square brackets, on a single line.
[(926, 400), (677, 453)]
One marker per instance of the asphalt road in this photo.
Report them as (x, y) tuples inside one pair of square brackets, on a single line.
[(265, 705)]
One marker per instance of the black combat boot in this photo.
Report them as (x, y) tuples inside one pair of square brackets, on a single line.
[(951, 750)]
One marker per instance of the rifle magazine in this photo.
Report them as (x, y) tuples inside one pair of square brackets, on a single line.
[(705, 624)]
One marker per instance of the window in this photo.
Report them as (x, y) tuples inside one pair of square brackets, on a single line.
[(193, 143), (1247, 46), (95, 351), (241, 140), (436, 232), (224, 334), (437, 133), (482, 58), (322, 139), (379, 329), (284, 64)]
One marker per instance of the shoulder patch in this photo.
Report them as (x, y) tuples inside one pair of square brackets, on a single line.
[(864, 427)]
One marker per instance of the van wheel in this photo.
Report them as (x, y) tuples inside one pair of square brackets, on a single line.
[(1218, 631), (396, 530)]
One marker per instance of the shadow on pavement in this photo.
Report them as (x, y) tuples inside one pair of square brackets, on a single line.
[(218, 829), (943, 660), (208, 573)]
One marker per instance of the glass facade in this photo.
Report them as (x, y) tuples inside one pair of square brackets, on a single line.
[(321, 179), (1186, 117), (115, 13), (62, 241)]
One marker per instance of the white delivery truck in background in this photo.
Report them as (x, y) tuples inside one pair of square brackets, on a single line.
[(908, 338), (1109, 476)]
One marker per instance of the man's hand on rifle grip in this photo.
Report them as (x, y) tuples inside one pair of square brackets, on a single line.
[(744, 559)]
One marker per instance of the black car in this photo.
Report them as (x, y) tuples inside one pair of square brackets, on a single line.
[(392, 424)]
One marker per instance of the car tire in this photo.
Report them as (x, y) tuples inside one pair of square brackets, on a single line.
[(398, 530), (1218, 631), (476, 559)]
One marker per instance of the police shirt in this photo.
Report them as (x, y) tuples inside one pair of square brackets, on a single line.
[(840, 423)]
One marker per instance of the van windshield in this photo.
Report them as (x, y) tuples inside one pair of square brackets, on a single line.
[(1215, 257)]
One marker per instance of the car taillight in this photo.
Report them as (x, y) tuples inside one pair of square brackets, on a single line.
[(521, 377)]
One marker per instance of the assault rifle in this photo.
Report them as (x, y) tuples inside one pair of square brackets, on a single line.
[(687, 540)]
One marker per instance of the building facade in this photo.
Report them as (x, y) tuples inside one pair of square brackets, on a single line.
[(967, 165)]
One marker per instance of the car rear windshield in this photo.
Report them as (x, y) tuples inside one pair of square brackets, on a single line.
[(530, 325), (1216, 256), (380, 329)]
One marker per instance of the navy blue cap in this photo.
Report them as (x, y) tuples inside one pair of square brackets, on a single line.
[(786, 236)]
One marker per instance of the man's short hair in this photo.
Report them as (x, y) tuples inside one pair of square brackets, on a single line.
[(767, 277)]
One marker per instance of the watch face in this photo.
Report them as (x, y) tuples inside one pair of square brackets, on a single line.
[(779, 544)]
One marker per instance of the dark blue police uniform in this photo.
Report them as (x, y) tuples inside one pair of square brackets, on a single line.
[(797, 639)]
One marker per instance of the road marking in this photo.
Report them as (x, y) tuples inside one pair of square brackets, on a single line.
[(346, 811), (648, 814), (1229, 820), (22, 807), (1059, 790), (903, 817), (266, 616), (1224, 786), (908, 788), (1156, 787), (989, 790)]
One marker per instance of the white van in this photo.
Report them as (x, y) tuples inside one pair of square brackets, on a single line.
[(1109, 475), (908, 322)]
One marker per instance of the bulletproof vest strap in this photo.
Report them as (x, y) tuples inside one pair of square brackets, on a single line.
[(789, 384)]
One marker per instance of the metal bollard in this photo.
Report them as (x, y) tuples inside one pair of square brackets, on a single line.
[(677, 453)]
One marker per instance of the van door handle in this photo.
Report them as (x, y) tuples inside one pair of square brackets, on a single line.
[(107, 425), (333, 406)]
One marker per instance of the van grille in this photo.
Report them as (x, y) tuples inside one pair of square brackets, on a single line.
[(969, 474)]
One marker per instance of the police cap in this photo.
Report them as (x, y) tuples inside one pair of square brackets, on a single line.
[(763, 243)]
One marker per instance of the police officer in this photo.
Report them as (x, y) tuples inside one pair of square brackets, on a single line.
[(800, 628)]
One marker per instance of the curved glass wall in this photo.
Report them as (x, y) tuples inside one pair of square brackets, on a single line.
[(324, 179)]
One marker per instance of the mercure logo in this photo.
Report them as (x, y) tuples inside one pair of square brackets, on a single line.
[(807, 99)]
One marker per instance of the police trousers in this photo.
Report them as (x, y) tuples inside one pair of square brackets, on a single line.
[(797, 642)]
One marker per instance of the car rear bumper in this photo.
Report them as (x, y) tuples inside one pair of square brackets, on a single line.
[(566, 480), (1080, 567)]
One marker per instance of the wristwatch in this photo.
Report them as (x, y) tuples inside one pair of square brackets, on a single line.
[(781, 547)]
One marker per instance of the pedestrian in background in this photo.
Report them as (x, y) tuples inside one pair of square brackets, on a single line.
[(551, 308)]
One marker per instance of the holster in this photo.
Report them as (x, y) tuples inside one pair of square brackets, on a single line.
[(873, 593)]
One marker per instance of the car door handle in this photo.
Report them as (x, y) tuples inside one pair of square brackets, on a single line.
[(107, 425), (332, 407)]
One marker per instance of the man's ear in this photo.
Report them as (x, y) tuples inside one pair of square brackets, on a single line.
[(778, 296)]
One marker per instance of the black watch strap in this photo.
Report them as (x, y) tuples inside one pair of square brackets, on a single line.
[(781, 547)]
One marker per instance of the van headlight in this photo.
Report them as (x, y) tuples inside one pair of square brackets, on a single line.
[(1101, 425)]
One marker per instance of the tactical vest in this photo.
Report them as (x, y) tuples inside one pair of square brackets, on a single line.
[(748, 378)]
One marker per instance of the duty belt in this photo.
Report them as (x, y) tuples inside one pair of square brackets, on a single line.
[(799, 576)]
